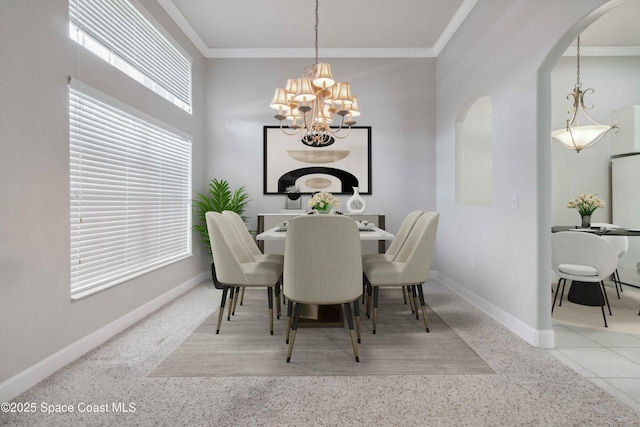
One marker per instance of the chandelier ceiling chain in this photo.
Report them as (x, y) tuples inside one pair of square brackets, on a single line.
[(316, 61), (574, 136), (308, 106)]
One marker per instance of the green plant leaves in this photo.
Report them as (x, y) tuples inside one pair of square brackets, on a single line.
[(219, 198)]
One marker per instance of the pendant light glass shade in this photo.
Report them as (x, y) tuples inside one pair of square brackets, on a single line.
[(574, 136)]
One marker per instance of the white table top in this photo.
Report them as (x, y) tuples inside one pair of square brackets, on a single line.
[(374, 233)]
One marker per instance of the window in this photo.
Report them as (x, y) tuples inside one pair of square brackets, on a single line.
[(130, 189), (118, 33)]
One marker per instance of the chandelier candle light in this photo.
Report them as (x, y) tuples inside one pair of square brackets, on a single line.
[(313, 102), (574, 136)]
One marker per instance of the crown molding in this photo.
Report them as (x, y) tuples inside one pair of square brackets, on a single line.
[(453, 25), (451, 28), (184, 25), (323, 53)]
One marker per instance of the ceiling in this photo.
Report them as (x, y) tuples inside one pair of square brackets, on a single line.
[(357, 28)]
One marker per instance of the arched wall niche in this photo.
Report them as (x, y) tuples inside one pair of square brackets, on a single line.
[(474, 153)]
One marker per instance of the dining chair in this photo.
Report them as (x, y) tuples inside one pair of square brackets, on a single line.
[(409, 268), (235, 267), (621, 243), (323, 265), (256, 254), (392, 251), (583, 258)]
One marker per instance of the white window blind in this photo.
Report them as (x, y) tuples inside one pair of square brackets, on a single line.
[(130, 191), (122, 30)]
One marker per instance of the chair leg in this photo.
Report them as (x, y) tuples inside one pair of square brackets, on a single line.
[(562, 293), (356, 311), (235, 301), (270, 298), (423, 307), (414, 294), (352, 333), (604, 292), (556, 294), (369, 296), (604, 317), (289, 310), (231, 292), (225, 289), (278, 305), (364, 288), (242, 296), (407, 289), (616, 282), (294, 329), (404, 294), (376, 291)]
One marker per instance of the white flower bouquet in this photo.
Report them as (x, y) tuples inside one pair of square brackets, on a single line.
[(322, 201), (586, 203)]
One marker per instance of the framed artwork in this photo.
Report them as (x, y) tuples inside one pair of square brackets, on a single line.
[(336, 167)]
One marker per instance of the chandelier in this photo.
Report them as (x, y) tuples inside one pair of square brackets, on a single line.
[(315, 106), (574, 136)]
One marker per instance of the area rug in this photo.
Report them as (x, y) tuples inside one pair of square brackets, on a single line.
[(244, 346), (624, 318)]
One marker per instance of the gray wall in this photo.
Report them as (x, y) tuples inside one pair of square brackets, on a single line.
[(498, 51), (37, 315), (396, 98), (616, 84)]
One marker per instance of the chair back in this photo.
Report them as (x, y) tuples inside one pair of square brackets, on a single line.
[(322, 260), (224, 247), (403, 233), (416, 253), (585, 249), (242, 232), (621, 243)]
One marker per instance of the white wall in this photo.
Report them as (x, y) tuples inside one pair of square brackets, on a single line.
[(497, 52), (396, 98), (37, 315), (616, 84)]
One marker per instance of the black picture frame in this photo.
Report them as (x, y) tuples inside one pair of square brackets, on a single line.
[(335, 167)]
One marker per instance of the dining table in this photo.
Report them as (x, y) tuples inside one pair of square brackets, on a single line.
[(600, 231), (367, 231)]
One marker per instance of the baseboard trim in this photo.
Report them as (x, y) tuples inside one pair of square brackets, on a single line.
[(31, 376), (535, 337)]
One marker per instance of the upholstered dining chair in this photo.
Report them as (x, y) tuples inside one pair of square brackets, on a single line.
[(250, 245), (235, 267), (323, 265), (410, 267), (582, 257), (621, 243), (393, 249)]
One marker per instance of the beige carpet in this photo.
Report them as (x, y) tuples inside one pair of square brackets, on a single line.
[(244, 347), (625, 317)]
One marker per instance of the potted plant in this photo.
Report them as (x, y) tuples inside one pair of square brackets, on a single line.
[(292, 192), (293, 197), (219, 198)]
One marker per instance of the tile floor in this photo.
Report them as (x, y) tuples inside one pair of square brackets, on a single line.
[(609, 359)]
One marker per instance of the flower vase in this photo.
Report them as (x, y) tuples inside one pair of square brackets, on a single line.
[(324, 211), (355, 203), (586, 221), (293, 201)]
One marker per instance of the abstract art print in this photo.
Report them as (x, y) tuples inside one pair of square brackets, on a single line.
[(335, 167)]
